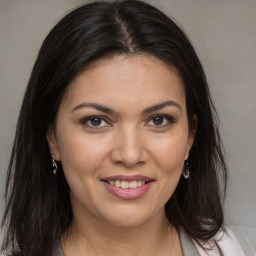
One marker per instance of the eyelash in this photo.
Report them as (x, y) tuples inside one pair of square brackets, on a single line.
[(90, 118), (169, 119)]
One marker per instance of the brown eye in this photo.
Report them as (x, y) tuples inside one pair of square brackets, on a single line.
[(96, 121), (158, 120), (161, 121)]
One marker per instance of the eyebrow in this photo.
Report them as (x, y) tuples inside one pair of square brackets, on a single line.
[(96, 106), (162, 105), (111, 111)]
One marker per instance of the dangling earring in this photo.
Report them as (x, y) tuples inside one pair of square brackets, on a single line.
[(185, 171), (55, 166)]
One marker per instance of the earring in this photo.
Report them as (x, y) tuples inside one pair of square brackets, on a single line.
[(55, 166), (185, 171)]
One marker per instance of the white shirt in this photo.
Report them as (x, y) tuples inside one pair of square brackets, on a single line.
[(226, 241)]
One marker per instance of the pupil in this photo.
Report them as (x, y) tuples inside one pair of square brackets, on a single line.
[(158, 120), (96, 121)]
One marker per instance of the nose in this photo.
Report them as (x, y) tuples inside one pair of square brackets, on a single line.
[(129, 148)]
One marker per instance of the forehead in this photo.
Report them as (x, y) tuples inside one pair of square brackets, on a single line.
[(126, 79)]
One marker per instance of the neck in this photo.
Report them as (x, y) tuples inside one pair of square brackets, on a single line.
[(90, 236)]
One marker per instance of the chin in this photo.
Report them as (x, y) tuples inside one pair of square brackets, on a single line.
[(127, 222), (128, 216)]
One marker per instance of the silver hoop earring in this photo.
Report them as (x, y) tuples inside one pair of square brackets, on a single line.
[(185, 171), (55, 167)]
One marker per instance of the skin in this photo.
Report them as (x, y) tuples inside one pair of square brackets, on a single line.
[(128, 141)]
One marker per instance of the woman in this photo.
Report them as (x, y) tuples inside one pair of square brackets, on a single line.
[(117, 150)]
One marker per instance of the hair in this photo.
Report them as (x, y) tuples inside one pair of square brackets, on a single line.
[(38, 208)]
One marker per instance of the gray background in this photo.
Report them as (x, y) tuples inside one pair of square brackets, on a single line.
[(224, 35)]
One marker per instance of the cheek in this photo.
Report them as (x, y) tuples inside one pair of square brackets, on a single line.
[(81, 155), (170, 152), (82, 159), (170, 158)]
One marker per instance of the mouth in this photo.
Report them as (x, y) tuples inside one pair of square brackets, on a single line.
[(126, 184), (128, 187)]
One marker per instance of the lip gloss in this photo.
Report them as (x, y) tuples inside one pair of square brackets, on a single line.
[(128, 193)]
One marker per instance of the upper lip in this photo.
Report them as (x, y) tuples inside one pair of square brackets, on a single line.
[(128, 178)]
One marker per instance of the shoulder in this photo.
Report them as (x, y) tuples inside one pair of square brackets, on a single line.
[(7, 254), (226, 241)]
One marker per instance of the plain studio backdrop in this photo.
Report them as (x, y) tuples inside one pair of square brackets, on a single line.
[(224, 36)]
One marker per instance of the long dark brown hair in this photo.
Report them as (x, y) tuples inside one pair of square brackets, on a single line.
[(38, 208)]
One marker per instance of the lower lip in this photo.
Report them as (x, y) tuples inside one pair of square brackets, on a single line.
[(128, 193)]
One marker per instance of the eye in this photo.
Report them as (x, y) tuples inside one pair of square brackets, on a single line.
[(161, 120), (95, 121)]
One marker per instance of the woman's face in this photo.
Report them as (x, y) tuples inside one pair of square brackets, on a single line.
[(122, 137)]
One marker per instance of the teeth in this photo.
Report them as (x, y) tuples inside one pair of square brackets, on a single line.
[(133, 184), (118, 183), (126, 184)]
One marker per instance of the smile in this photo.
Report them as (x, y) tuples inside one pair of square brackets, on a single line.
[(126, 184), (128, 187)]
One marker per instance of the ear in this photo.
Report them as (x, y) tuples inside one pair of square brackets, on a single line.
[(191, 135), (52, 143)]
